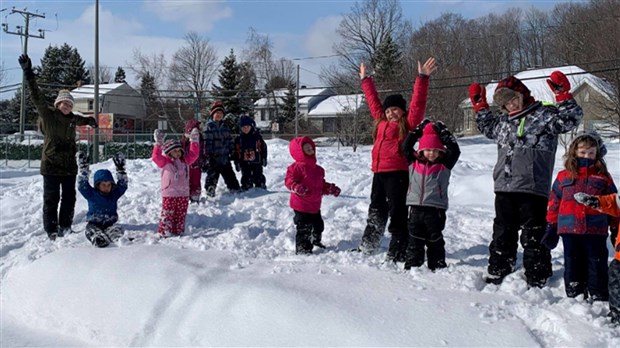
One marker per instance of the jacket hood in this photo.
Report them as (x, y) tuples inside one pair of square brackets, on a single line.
[(191, 124), (103, 175), (507, 88), (295, 148)]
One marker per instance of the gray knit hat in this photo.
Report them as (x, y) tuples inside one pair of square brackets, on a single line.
[(63, 95)]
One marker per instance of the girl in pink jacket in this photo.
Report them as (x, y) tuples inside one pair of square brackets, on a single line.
[(389, 165), (174, 164), (306, 181)]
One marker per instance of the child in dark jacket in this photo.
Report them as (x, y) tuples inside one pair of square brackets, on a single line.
[(250, 154), (195, 169), (609, 204), (427, 197), (583, 230), (306, 181), (102, 229), (219, 148)]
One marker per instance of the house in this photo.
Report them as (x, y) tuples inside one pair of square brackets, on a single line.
[(266, 109), (324, 115), (592, 93), (122, 106)]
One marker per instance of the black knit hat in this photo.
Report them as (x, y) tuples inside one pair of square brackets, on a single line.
[(395, 100)]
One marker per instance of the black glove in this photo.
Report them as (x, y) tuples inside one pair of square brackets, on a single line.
[(613, 235), (119, 162), (587, 200), (92, 122), (550, 239), (264, 161), (204, 167), (83, 160), (237, 166), (444, 133), (26, 64), (419, 130)]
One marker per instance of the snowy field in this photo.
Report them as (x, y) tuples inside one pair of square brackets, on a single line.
[(233, 279)]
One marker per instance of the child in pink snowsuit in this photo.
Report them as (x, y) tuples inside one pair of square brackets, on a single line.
[(174, 164), (306, 181)]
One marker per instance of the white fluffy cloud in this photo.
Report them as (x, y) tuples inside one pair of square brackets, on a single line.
[(200, 16), (322, 35)]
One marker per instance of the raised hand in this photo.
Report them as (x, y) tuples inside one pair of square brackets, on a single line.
[(82, 161), (419, 129), (560, 86), (478, 97), (119, 162), (362, 71), (428, 68), (158, 136), (194, 135), (444, 133), (26, 64)]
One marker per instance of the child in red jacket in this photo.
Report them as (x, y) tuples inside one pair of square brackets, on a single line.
[(583, 230), (609, 204), (389, 166), (306, 181)]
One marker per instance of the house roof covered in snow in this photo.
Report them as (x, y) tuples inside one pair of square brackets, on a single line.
[(536, 81), (88, 91), (304, 95), (337, 104)]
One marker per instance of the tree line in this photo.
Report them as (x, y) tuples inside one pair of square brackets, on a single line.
[(376, 32)]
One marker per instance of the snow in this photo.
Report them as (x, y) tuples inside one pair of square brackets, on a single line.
[(233, 278)]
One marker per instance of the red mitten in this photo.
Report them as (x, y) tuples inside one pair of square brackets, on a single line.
[(299, 189), (478, 97), (559, 84), (334, 190)]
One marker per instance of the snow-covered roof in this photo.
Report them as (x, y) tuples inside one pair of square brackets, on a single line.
[(88, 91), (337, 104), (536, 81), (304, 95)]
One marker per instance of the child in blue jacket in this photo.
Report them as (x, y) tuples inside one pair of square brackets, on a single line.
[(102, 229)]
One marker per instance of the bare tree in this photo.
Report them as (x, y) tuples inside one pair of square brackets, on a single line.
[(194, 66), (105, 73), (536, 38)]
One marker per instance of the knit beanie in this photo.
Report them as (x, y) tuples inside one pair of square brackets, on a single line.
[(430, 140), (246, 121), (395, 100), (217, 106), (63, 95), (172, 144), (508, 88)]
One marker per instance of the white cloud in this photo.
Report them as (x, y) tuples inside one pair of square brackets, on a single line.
[(200, 16), (322, 35)]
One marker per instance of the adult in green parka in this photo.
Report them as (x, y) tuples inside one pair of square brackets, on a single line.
[(58, 165)]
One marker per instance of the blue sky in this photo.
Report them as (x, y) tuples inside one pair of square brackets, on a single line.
[(298, 28)]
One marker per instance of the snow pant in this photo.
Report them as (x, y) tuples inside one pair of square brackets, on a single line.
[(173, 213), (585, 266), (426, 225), (213, 175), (614, 291), (387, 199), (101, 236), (53, 219), (310, 228), (195, 188), (525, 212), (252, 176)]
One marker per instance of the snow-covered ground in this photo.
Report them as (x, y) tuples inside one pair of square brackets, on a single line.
[(233, 279)]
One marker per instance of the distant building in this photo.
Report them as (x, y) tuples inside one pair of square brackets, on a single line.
[(124, 105), (592, 93), (324, 115), (267, 108)]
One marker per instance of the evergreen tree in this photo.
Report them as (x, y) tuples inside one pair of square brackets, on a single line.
[(286, 116), (61, 68), (148, 91), (387, 62), (120, 77)]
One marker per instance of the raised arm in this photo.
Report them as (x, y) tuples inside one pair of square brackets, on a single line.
[(370, 93), (419, 96)]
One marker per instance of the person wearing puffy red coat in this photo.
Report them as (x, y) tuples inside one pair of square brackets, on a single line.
[(389, 165), (583, 229), (306, 181)]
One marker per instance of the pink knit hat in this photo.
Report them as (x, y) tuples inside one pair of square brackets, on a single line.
[(430, 140)]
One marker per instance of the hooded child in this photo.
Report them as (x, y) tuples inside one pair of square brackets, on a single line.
[(250, 154)]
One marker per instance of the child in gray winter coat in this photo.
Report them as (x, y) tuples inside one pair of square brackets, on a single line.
[(526, 132), (102, 229)]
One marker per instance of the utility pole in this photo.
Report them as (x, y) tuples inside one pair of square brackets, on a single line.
[(26, 34), (297, 103), (96, 87)]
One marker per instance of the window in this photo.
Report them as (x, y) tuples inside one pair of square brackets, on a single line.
[(91, 104)]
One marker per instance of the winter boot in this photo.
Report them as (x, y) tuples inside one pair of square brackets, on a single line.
[(437, 265), (211, 191)]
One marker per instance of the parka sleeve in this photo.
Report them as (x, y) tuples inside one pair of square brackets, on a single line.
[(488, 123), (157, 156), (453, 152), (408, 147), (38, 100), (417, 107), (372, 97), (565, 117)]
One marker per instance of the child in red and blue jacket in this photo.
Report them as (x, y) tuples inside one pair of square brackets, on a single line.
[(306, 181), (174, 164), (583, 230), (250, 154), (427, 196), (195, 169)]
